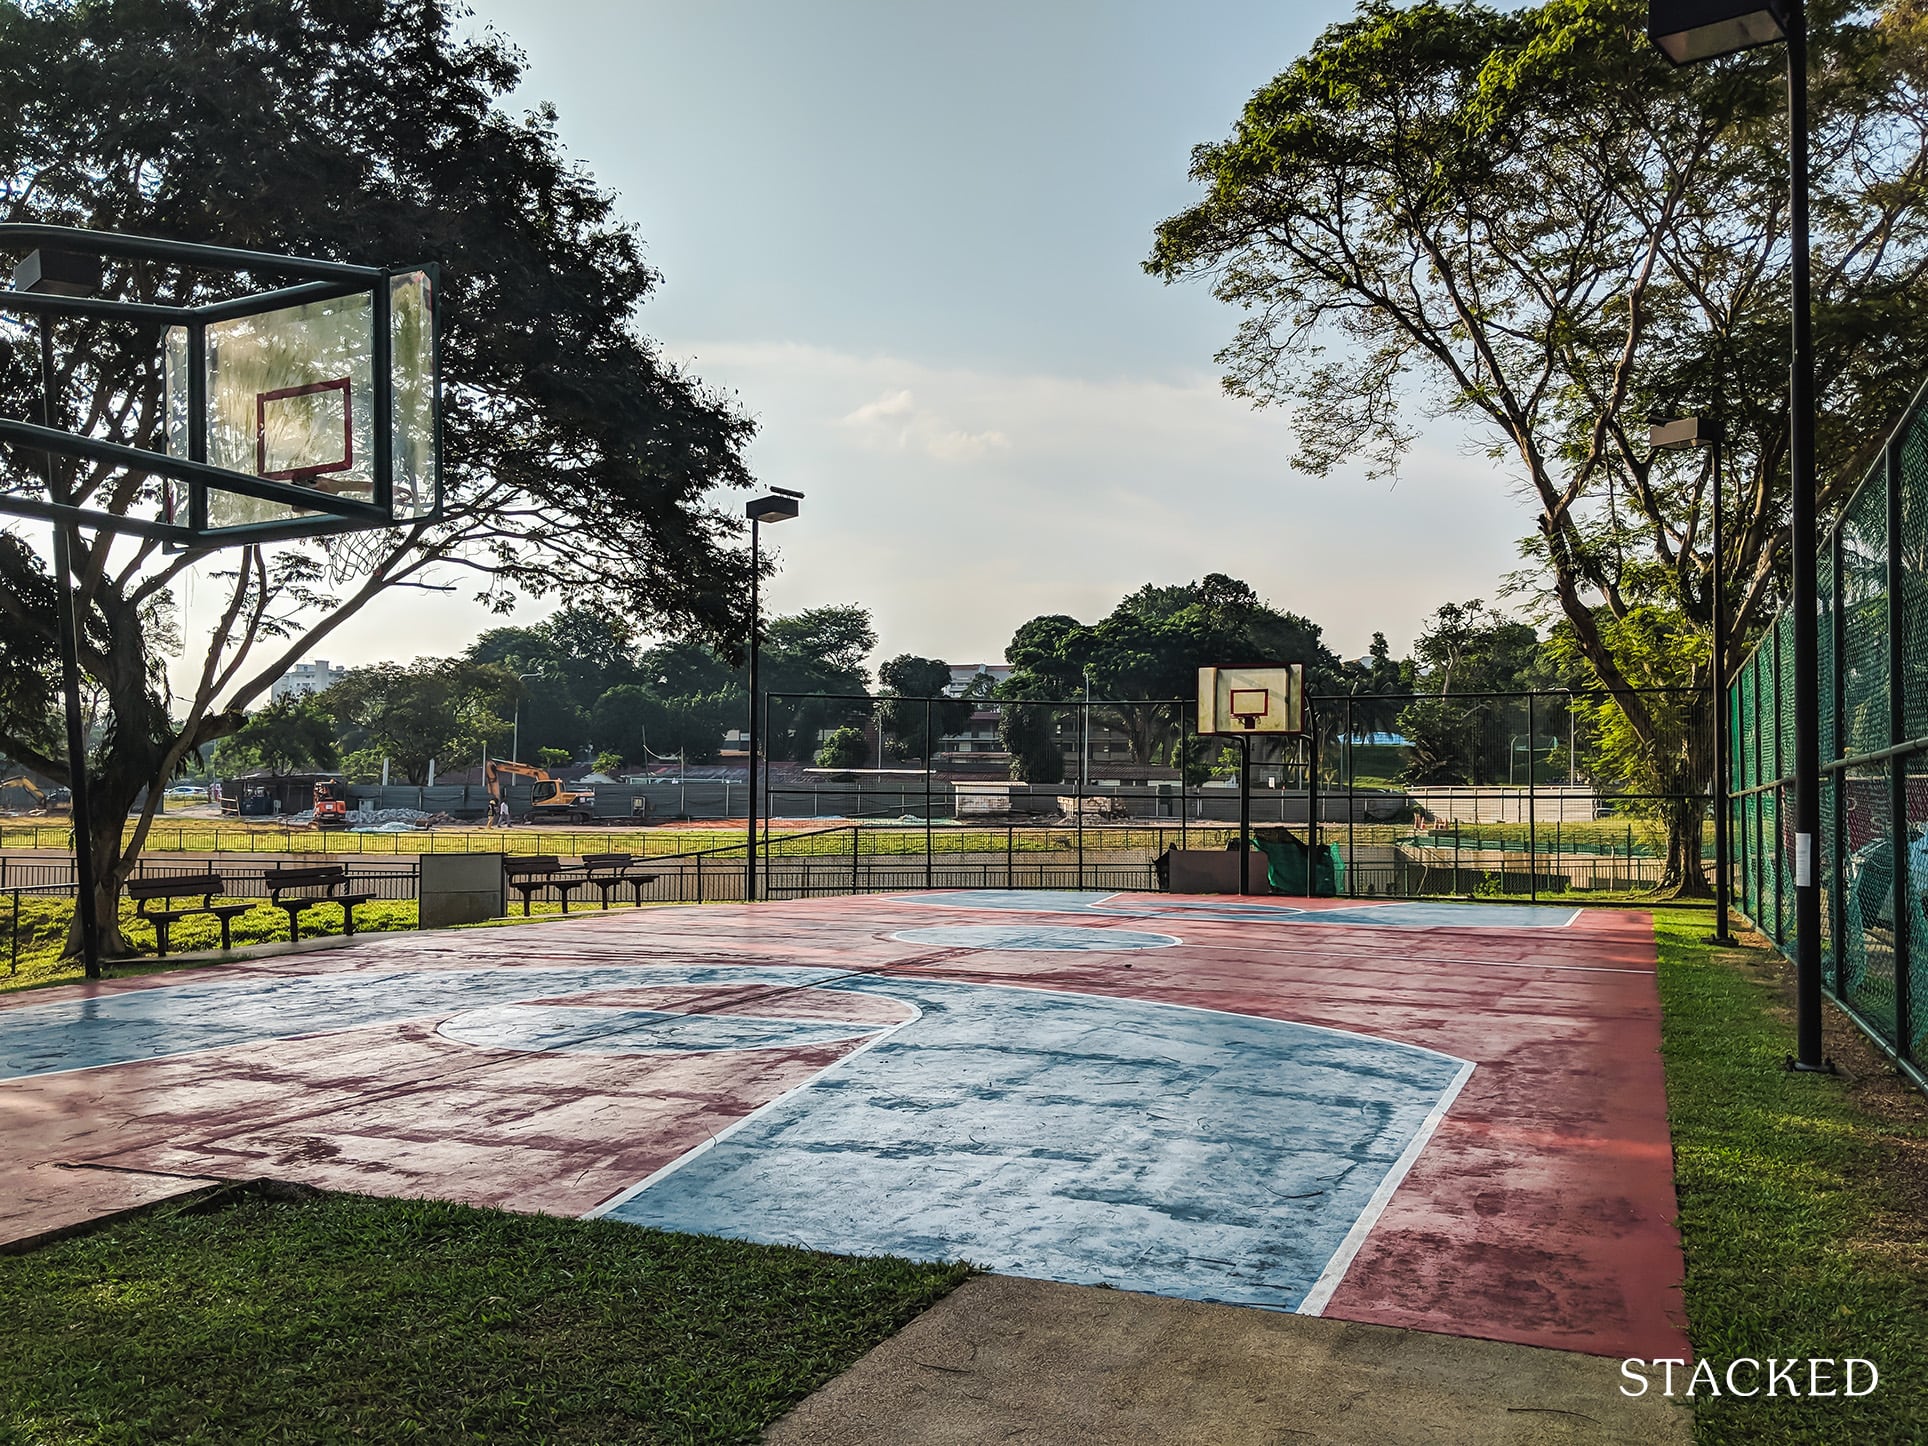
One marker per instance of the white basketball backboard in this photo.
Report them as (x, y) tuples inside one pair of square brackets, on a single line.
[(1252, 700)]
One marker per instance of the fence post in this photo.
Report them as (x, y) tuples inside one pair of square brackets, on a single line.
[(1009, 835), (699, 878), (1352, 802), (1532, 813), (930, 748), (856, 839), (1904, 890)]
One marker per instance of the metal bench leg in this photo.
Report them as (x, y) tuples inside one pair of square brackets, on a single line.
[(348, 921), (227, 938), (160, 938)]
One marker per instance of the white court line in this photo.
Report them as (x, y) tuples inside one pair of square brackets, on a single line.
[(1466, 1065), (1320, 1295), (623, 1196), (1344, 956)]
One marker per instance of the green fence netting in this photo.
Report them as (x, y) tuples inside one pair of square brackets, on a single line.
[(1872, 686)]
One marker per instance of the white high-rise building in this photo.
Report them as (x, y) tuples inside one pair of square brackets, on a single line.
[(315, 677)]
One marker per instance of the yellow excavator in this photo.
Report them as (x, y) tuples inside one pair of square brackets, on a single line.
[(17, 791), (553, 802)]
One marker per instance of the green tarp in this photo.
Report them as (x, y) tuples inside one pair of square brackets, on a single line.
[(1285, 864)]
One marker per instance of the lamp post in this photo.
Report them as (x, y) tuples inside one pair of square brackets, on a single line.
[(777, 507), (515, 737), (1687, 31), (63, 273), (1695, 432)]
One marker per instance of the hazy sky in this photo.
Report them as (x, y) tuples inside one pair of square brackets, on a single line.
[(908, 235)]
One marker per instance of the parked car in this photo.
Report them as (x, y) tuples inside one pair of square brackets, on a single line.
[(188, 790)]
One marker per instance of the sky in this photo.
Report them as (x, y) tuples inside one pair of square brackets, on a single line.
[(908, 237)]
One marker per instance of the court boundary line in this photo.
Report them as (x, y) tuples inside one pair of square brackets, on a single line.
[(1105, 906), (1393, 954), (1320, 1296), (1362, 1223), (703, 1147)]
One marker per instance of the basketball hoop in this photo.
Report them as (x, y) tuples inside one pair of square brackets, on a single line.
[(354, 554), (1249, 705)]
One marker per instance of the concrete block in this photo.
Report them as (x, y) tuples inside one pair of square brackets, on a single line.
[(1212, 871), (460, 889)]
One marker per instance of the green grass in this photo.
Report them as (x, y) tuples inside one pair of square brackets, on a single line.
[(340, 1318), (1801, 1199)]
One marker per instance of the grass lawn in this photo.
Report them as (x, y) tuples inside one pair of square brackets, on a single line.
[(338, 1318), (1802, 1197)]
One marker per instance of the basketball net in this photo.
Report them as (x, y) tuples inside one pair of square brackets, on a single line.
[(355, 554)]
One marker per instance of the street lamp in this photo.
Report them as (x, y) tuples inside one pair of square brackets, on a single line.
[(515, 737), (1687, 31), (779, 506), (1696, 432), (66, 273)]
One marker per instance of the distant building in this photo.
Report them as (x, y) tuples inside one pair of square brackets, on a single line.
[(963, 674), (315, 677)]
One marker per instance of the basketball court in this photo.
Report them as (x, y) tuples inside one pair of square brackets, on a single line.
[(1448, 1117)]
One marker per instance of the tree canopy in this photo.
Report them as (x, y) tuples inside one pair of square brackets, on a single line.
[(1528, 220), (575, 458), (1151, 646)]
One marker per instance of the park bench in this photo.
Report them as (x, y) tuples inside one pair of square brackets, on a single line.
[(609, 872), (541, 871), (162, 889), (296, 890)]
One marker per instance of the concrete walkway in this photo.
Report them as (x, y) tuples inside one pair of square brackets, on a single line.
[(1005, 1359)]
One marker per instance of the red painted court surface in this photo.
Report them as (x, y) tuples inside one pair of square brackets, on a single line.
[(1436, 1116)]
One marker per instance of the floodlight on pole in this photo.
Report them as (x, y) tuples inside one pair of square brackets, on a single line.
[(52, 272), (1693, 30), (1680, 435), (779, 506), (1686, 31)]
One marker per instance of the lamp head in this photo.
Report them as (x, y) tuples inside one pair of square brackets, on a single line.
[(48, 272), (1686, 432), (770, 509), (1687, 31)]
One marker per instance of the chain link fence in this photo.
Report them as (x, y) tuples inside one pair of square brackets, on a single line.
[(1873, 686), (1601, 796)]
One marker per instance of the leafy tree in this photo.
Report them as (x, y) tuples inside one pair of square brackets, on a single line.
[(1529, 221), (819, 650), (575, 460), (1658, 780), (1470, 648), (1152, 645), (1373, 686), (295, 734), (444, 710), (846, 747), (550, 715), (907, 681), (609, 763), (553, 757), (641, 724), (1029, 733)]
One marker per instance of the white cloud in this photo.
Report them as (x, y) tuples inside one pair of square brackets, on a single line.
[(962, 446), (894, 422)]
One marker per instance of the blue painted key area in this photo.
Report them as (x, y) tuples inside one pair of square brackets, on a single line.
[(1075, 1138)]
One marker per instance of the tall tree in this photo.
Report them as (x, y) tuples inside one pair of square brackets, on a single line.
[(907, 681), (446, 711), (575, 459), (1527, 220), (1152, 645), (290, 735)]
